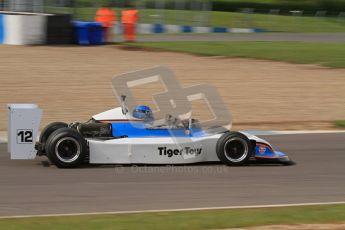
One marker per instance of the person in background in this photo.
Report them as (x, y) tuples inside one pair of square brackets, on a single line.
[(129, 21), (107, 17)]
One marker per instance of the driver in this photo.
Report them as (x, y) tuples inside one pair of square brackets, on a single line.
[(143, 112)]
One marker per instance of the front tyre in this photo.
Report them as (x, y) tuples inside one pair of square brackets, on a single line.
[(66, 148), (234, 148)]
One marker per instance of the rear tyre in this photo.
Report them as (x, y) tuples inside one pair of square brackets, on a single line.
[(49, 129), (66, 148), (234, 149)]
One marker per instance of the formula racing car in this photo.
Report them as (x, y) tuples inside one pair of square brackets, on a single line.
[(119, 136)]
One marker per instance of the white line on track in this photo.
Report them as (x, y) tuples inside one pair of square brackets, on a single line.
[(258, 132), (3, 137), (174, 210), (3, 140)]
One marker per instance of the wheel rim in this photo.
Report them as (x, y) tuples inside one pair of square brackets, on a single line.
[(236, 149), (67, 149)]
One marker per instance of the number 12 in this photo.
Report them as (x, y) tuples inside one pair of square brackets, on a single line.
[(25, 136)]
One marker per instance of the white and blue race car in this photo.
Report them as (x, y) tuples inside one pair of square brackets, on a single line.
[(118, 136)]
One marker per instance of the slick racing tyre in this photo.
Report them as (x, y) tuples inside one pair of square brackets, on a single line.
[(234, 149), (66, 148), (49, 129)]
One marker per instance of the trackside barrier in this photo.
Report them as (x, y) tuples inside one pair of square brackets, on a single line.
[(23, 28), (20, 28), (161, 28), (158, 28), (59, 29)]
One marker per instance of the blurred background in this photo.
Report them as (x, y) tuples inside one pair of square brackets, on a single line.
[(271, 15), (272, 37)]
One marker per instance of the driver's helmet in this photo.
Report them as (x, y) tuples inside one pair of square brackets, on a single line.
[(143, 112)]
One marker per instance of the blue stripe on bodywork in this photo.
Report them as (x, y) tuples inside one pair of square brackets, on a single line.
[(140, 130), (2, 29)]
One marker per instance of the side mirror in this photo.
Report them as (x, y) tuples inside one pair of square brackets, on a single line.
[(123, 102)]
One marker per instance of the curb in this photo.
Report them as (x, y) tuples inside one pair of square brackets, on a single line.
[(271, 133), (143, 28)]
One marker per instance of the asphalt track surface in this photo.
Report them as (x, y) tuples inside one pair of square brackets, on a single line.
[(27, 187), (302, 37)]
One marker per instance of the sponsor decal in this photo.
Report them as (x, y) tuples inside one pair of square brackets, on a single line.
[(262, 149), (164, 151)]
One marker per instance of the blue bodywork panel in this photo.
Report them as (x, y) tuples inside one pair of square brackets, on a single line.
[(2, 29), (141, 130)]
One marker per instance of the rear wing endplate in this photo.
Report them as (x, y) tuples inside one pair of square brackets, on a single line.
[(23, 123)]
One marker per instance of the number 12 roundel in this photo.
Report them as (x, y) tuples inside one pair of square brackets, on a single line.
[(24, 136)]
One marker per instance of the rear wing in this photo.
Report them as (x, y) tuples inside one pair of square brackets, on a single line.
[(23, 123)]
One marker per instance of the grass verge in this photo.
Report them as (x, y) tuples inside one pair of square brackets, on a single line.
[(326, 54), (340, 124), (211, 219)]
